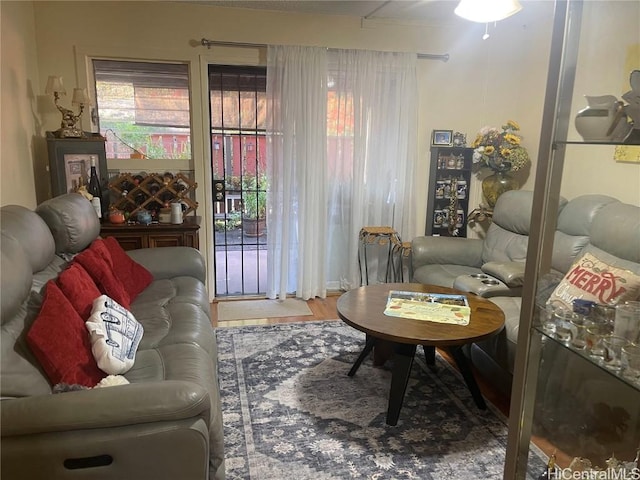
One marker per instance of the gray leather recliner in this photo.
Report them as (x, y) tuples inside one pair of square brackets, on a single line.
[(493, 267), (166, 424)]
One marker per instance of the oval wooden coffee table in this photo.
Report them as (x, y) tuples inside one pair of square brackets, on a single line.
[(363, 309)]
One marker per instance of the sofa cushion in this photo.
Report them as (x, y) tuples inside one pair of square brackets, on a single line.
[(134, 277), (175, 311), (616, 230), (59, 341), (443, 275), (31, 233), (574, 227), (17, 280), (70, 220), (115, 335), (79, 288), (590, 278), (102, 273)]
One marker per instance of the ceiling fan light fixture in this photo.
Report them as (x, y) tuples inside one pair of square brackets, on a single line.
[(485, 11)]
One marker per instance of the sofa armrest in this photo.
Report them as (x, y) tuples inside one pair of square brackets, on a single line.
[(170, 262), (136, 403), (511, 273), (446, 250)]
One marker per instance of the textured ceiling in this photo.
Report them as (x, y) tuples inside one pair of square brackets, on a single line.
[(430, 11)]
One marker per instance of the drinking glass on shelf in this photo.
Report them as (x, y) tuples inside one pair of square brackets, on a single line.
[(604, 313), (627, 321), (579, 325), (547, 320), (594, 337), (613, 351), (630, 360), (563, 322)]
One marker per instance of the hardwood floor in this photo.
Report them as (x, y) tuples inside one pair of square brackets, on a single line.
[(325, 309)]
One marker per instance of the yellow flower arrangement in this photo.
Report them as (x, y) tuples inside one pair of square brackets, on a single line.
[(500, 150)]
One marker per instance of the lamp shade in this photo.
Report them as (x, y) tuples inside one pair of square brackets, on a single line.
[(80, 97), (485, 11), (54, 84)]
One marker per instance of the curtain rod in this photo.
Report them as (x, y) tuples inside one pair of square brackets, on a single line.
[(209, 43)]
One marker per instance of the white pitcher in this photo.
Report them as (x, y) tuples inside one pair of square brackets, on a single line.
[(603, 120), (176, 212)]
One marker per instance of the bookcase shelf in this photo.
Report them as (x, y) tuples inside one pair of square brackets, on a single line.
[(448, 191)]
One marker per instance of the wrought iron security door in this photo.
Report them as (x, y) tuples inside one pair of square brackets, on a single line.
[(237, 99)]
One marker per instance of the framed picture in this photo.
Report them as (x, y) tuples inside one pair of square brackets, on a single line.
[(442, 138), (70, 161)]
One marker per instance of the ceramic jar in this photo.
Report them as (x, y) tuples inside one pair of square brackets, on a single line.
[(164, 216), (144, 217)]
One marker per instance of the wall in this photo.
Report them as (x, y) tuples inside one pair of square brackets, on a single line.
[(485, 82), (19, 87)]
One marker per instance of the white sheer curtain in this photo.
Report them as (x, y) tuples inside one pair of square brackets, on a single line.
[(297, 171), (372, 145), (341, 153)]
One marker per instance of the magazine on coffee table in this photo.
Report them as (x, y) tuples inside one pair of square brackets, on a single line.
[(432, 307)]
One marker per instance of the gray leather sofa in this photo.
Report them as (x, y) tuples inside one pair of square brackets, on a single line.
[(166, 424), (494, 266)]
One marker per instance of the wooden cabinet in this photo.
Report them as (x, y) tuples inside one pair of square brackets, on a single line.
[(70, 161), (133, 236), (448, 195)]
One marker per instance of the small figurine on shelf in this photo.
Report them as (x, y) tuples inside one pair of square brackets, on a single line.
[(459, 139), (453, 209), (550, 471)]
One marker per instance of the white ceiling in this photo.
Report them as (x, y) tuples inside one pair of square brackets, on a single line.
[(428, 11)]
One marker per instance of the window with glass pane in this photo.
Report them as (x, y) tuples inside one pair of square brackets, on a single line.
[(143, 109)]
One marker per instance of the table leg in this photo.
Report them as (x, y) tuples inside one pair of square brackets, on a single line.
[(402, 362), (367, 349), (467, 374), (429, 355)]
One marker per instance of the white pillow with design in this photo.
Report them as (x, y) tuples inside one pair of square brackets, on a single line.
[(115, 335), (589, 278)]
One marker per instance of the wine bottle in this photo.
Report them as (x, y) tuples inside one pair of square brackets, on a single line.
[(95, 189)]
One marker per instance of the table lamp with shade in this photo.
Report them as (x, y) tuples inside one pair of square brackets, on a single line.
[(69, 126)]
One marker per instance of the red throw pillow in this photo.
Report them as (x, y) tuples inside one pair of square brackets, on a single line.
[(102, 273), (133, 276), (59, 340), (98, 246), (79, 288)]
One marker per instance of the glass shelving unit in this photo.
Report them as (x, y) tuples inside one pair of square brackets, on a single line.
[(563, 402)]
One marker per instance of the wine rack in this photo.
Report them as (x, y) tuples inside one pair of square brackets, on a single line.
[(132, 193)]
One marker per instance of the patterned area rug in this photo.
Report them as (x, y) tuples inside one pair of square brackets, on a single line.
[(291, 411)]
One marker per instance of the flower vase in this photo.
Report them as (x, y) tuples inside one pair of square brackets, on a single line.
[(495, 185)]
